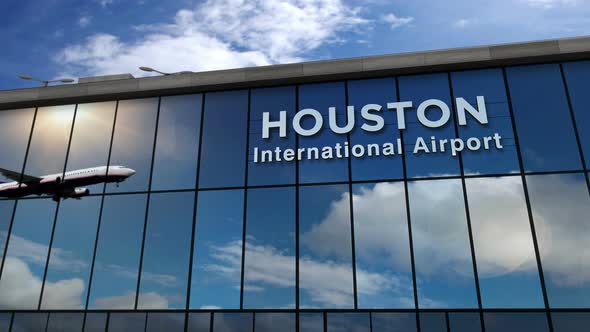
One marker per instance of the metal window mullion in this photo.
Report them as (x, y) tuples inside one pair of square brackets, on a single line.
[(245, 207), (297, 216)]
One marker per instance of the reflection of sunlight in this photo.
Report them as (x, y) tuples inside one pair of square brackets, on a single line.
[(61, 116)]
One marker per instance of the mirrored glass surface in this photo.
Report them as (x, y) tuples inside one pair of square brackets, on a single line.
[(217, 257), (506, 261), (15, 127), (272, 101), (393, 322), (547, 142), (133, 143), (515, 322), (6, 210), (320, 97), (311, 322), (417, 89), (165, 321), (95, 322), (114, 282), (273, 321), (382, 244), (65, 322), (26, 255), (498, 158), (177, 144), (164, 275), (70, 260), (464, 322), (570, 321), (561, 211), (325, 253), (269, 278), (442, 252), (232, 322), (29, 322), (5, 319), (223, 147), (379, 92), (199, 322), (348, 322), (577, 75), (433, 322), (124, 322)]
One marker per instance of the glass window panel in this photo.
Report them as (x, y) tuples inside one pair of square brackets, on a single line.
[(133, 142), (224, 139), (26, 255), (232, 322), (547, 142), (95, 322), (417, 89), (71, 254), (325, 261), (506, 262), (269, 279), (320, 97), (570, 321), (217, 258), (311, 322), (393, 322), (348, 322), (116, 266), (164, 274), (270, 322), (561, 210), (65, 322), (464, 322), (91, 141), (488, 83), (383, 268), (273, 101), (199, 322), (164, 321), (433, 322), (177, 144), (124, 322), (515, 322), (5, 319), (15, 127), (442, 252), (6, 209), (577, 75), (29, 322), (376, 91)]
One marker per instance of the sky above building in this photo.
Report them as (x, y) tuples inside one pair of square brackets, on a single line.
[(55, 38)]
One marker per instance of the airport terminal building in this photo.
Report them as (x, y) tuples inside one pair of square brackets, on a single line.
[(423, 192)]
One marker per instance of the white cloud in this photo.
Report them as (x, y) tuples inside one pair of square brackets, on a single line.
[(218, 35), (462, 23), (396, 22), (104, 3), (548, 4), (84, 21)]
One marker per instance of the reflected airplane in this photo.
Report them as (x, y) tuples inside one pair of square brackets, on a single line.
[(70, 186)]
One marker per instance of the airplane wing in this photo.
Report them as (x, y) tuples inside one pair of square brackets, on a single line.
[(19, 177)]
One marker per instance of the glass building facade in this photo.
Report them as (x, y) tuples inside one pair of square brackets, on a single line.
[(204, 237)]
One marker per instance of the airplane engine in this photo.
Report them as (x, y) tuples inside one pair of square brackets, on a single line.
[(79, 192)]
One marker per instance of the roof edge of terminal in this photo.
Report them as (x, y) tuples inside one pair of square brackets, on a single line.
[(125, 86)]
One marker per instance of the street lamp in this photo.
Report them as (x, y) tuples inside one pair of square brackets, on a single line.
[(150, 70), (46, 82)]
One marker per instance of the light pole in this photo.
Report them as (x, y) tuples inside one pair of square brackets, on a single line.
[(46, 82), (150, 70)]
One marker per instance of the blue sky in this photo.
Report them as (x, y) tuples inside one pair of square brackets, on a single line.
[(52, 38)]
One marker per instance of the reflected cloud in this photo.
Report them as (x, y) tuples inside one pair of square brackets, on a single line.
[(149, 300)]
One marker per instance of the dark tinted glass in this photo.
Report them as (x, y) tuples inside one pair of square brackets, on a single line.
[(488, 83), (577, 75), (570, 321), (5, 319), (164, 275), (199, 322), (311, 322), (384, 272), (270, 322), (348, 322), (273, 101), (29, 322), (320, 97), (224, 139), (177, 145), (232, 322), (6, 209), (160, 321), (269, 280), (561, 210), (379, 92), (133, 142), (418, 89), (65, 322), (543, 122), (26, 255), (442, 252), (217, 259), (95, 322), (116, 267), (506, 260), (68, 273), (15, 127), (464, 322), (124, 322), (515, 322), (433, 322), (393, 322), (325, 254)]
